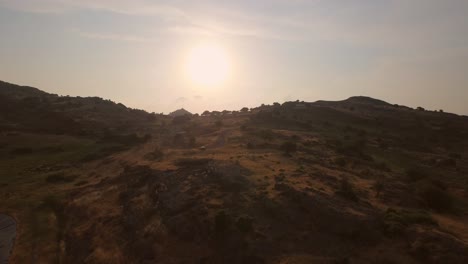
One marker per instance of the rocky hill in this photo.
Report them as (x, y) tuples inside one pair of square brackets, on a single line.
[(353, 181), (180, 112)]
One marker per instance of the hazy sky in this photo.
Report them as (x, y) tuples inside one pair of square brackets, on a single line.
[(412, 52)]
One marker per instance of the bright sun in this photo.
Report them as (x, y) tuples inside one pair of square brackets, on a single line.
[(208, 65)]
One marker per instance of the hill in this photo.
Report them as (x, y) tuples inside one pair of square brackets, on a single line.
[(352, 181), (29, 109), (180, 112)]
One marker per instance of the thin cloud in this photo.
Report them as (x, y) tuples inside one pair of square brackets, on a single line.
[(380, 24), (135, 7), (116, 37)]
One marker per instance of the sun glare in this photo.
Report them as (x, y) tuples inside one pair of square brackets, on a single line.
[(208, 65)]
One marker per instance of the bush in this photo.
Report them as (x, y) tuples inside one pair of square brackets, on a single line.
[(21, 151), (382, 166), (415, 174), (340, 161), (219, 123), (455, 155), (178, 120), (288, 147), (188, 162), (58, 178), (81, 183), (244, 224), (266, 134), (436, 198), (156, 155), (192, 141), (222, 222), (352, 148), (346, 190), (379, 186), (446, 163)]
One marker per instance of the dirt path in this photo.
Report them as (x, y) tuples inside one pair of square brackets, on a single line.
[(7, 236)]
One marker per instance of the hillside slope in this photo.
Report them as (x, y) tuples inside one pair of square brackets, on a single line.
[(353, 181)]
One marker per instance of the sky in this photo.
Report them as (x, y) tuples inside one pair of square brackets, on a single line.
[(408, 52)]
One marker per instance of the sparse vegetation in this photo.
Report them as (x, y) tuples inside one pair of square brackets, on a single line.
[(396, 221)]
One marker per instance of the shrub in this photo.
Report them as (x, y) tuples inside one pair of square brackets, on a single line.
[(288, 147), (124, 139), (455, 155), (379, 186), (21, 151), (81, 183), (446, 162), (58, 178), (415, 174), (181, 119), (188, 162), (352, 148), (156, 155), (222, 222), (346, 190), (382, 166), (192, 141), (244, 224), (436, 198), (219, 123), (340, 161), (266, 134)]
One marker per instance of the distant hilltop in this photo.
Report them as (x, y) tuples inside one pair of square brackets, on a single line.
[(180, 112)]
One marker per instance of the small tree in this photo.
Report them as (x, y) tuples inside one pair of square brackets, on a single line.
[(244, 110)]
